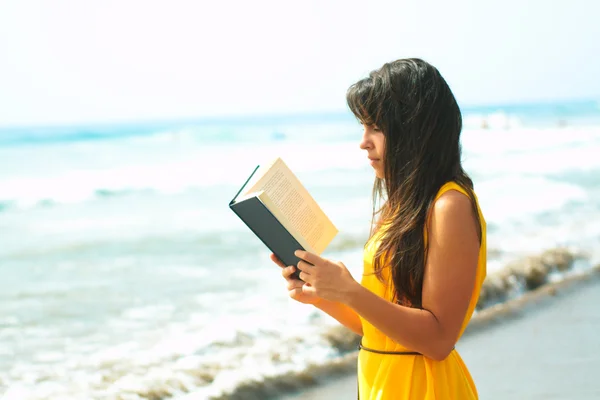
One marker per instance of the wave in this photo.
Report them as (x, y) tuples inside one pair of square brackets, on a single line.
[(190, 246), (71, 197), (523, 159), (181, 244), (528, 274), (257, 363), (290, 382), (91, 173)]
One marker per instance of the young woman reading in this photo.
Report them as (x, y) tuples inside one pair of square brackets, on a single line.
[(425, 260)]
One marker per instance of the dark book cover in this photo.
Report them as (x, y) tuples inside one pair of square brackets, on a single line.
[(266, 227)]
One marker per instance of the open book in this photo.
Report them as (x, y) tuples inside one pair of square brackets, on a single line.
[(281, 213)]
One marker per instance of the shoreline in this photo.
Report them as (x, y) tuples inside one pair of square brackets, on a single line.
[(528, 301), (499, 316)]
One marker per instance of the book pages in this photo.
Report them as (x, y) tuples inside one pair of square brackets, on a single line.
[(295, 207)]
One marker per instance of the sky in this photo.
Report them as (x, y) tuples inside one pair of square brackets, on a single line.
[(83, 61)]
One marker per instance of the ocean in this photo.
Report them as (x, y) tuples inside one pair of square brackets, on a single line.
[(124, 275)]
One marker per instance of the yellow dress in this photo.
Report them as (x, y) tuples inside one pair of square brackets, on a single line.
[(414, 377)]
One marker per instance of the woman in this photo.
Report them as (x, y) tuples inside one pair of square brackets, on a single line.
[(426, 258)]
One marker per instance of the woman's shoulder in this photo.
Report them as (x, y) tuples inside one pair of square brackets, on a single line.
[(451, 201), (454, 200), (460, 193)]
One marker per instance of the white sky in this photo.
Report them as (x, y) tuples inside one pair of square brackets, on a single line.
[(91, 61)]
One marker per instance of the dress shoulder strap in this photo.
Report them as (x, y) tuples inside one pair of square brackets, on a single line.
[(450, 186)]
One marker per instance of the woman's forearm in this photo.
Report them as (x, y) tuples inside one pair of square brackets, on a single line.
[(415, 329), (343, 314)]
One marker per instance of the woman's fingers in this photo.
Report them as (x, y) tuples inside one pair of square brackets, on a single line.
[(310, 290), (305, 267), (293, 284), (288, 271), (295, 293), (277, 260)]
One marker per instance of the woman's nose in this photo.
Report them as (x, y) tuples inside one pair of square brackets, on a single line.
[(365, 143)]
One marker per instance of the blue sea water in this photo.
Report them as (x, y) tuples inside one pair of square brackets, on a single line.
[(125, 275)]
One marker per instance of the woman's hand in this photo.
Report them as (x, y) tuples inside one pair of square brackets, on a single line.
[(294, 286), (324, 278)]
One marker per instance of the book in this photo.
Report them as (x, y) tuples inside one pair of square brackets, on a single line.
[(281, 212)]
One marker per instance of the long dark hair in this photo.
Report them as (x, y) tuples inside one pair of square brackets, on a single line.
[(412, 104)]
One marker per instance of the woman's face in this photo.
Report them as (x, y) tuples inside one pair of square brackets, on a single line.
[(373, 141)]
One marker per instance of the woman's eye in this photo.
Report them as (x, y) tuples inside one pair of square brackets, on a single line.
[(376, 129)]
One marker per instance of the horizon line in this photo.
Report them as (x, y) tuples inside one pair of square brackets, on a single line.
[(286, 116)]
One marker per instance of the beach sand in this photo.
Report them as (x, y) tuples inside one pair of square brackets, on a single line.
[(545, 345)]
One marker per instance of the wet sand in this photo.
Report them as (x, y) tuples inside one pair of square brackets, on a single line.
[(545, 345)]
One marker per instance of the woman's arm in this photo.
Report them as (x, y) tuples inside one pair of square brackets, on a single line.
[(342, 313), (448, 283)]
